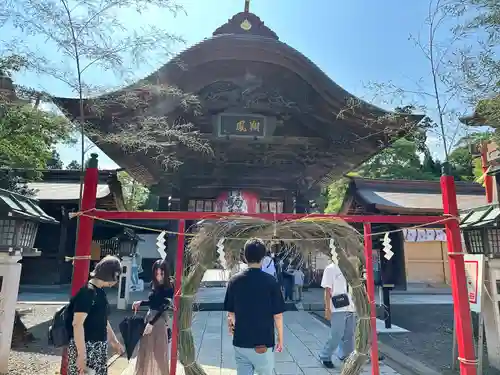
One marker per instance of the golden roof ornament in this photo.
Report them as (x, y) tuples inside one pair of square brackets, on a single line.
[(246, 25)]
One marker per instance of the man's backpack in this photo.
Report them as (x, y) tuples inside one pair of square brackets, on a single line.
[(59, 330)]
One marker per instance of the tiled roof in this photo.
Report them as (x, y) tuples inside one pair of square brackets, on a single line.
[(481, 216), (62, 191), (415, 201), (412, 196), (20, 206)]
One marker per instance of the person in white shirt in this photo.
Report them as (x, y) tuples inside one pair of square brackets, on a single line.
[(268, 265), (342, 319)]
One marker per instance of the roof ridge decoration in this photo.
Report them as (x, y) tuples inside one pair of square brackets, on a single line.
[(246, 23)]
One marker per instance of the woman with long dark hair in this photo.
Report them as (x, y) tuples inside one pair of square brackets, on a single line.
[(152, 355)]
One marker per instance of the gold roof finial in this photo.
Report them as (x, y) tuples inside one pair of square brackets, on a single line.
[(247, 6)]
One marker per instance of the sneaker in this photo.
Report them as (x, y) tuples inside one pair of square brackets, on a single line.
[(328, 364)]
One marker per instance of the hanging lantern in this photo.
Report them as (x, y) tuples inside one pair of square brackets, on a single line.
[(128, 241)]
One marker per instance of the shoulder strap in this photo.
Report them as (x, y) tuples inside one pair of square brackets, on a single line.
[(95, 293)]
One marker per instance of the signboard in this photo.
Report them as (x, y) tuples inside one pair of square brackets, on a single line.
[(241, 125), (474, 268), (424, 235)]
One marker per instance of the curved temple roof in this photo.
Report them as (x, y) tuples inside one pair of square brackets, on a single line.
[(246, 39)]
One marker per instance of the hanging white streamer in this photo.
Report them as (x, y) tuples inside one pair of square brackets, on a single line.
[(160, 244), (221, 252), (333, 251), (386, 242)]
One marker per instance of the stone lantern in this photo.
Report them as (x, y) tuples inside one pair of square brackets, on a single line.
[(128, 241), (19, 219), (481, 231)]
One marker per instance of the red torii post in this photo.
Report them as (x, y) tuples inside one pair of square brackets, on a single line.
[(459, 287), (370, 290), (81, 260), (179, 270), (461, 308)]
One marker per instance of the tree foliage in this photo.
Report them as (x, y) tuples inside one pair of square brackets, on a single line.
[(55, 161), (400, 161), (27, 135), (441, 93), (489, 111), (336, 193), (27, 138), (135, 194), (93, 37), (405, 161), (480, 62), (437, 93), (74, 165)]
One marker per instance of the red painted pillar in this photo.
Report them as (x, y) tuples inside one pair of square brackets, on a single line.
[(463, 324), (370, 288), (488, 180), (81, 262), (179, 271)]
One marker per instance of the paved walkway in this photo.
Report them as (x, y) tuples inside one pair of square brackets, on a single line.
[(313, 298), (315, 295), (304, 337), (211, 299)]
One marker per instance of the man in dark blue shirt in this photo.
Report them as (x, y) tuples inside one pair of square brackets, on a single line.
[(255, 306)]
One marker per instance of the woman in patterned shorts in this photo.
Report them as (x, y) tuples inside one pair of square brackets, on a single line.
[(91, 331)]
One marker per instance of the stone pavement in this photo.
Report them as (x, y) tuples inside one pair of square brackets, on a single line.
[(313, 299), (304, 337), (212, 297)]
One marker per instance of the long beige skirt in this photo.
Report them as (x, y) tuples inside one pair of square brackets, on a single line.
[(152, 351)]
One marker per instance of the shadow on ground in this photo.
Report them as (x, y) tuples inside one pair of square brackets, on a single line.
[(430, 338), (39, 326), (431, 335)]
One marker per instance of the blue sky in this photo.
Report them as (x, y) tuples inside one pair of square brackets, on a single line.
[(354, 42)]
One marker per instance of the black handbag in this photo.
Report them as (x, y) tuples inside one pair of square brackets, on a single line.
[(340, 300)]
